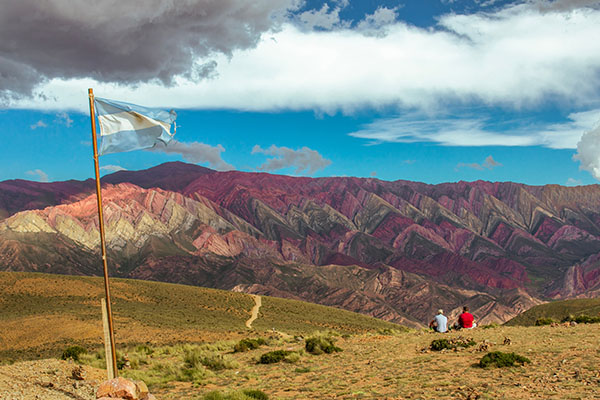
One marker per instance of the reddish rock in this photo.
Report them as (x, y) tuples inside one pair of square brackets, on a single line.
[(118, 388)]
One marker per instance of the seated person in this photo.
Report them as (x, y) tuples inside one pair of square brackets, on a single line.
[(439, 322), (465, 320)]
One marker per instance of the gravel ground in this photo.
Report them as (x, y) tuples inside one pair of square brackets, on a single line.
[(49, 380)]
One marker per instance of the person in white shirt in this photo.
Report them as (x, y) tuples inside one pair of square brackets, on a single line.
[(439, 322)]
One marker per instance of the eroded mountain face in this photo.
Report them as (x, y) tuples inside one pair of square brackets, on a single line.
[(395, 250)]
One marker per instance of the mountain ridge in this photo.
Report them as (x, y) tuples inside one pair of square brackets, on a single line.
[(509, 245)]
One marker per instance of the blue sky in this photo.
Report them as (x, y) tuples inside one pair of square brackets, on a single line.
[(432, 91)]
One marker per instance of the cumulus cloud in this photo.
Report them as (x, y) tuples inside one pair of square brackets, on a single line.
[(564, 5), (121, 41), (197, 153), (39, 174), (64, 119), (113, 168), (488, 163), (478, 131), (514, 57), (375, 24), (324, 18), (39, 124), (588, 152), (303, 159)]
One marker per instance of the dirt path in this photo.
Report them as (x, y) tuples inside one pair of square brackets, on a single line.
[(257, 304)]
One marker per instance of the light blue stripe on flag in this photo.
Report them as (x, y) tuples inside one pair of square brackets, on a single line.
[(126, 127)]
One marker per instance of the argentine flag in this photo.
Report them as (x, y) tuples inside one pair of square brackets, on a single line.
[(126, 127)]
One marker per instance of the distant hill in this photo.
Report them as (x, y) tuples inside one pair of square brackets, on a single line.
[(557, 310), (394, 250), (44, 313)]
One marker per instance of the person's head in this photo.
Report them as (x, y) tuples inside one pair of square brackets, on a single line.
[(466, 309), (440, 311)]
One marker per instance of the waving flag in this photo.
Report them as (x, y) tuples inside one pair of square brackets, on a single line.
[(126, 127)]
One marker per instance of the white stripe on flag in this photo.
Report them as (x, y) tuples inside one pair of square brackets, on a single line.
[(127, 121)]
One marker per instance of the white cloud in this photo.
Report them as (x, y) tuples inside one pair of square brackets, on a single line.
[(516, 57), (375, 24), (197, 153), (39, 174), (39, 124), (63, 118), (573, 182), (325, 18), (588, 152), (478, 131), (488, 163), (303, 159), (113, 168)]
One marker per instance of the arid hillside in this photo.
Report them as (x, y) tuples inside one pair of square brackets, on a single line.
[(42, 314)]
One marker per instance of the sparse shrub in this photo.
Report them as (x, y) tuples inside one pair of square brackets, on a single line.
[(144, 349), (451, 344), (248, 344), (582, 319), (193, 357), (320, 344), (490, 326), (293, 357), (217, 362), (243, 395), (544, 321), (390, 331), (499, 359), (73, 352), (256, 394), (193, 374), (274, 356), (440, 344)]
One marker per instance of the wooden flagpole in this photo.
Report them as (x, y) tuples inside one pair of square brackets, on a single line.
[(102, 242)]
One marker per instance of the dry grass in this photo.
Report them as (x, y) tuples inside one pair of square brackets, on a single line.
[(564, 365), (392, 364), (41, 314)]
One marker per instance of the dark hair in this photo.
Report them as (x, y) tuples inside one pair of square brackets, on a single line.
[(465, 308)]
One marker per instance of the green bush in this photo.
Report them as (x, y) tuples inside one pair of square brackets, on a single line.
[(248, 344), (490, 326), (193, 357), (303, 370), (499, 359), (451, 344), (321, 344), (440, 344), (73, 352), (256, 394), (274, 356), (248, 394), (544, 321), (144, 349), (582, 319)]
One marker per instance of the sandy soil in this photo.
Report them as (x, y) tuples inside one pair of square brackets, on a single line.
[(48, 380)]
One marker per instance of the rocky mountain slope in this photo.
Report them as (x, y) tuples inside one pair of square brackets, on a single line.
[(395, 250)]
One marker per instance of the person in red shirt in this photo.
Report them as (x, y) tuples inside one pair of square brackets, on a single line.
[(465, 320)]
